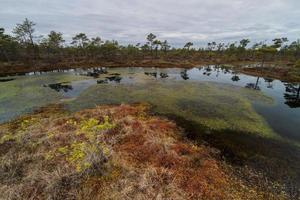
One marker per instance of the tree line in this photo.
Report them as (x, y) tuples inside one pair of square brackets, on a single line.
[(24, 46)]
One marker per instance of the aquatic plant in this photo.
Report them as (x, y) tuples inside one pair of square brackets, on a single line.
[(24, 94), (213, 106)]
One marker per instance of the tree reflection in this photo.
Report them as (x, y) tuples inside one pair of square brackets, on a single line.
[(253, 86), (184, 75), (269, 82), (291, 95), (60, 87), (207, 71), (235, 77)]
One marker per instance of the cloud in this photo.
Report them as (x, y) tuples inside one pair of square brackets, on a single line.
[(127, 21)]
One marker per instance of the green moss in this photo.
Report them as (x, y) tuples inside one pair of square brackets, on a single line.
[(94, 125), (83, 152), (7, 137)]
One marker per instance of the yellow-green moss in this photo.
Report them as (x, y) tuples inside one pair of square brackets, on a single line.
[(7, 137), (77, 152), (94, 125)]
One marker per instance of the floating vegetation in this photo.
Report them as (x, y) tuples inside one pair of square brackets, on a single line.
[(27, 93), (154, 74), (96, 72), (116, 79), (58, 87), (102, 81), (235, 78), (213, 106), (163, 75)]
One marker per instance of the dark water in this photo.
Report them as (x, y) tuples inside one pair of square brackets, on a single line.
[(283, 116)]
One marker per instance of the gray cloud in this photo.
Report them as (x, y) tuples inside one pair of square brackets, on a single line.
[(127, 21)]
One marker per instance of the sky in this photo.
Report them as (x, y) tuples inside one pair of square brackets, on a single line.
[(129, 21)]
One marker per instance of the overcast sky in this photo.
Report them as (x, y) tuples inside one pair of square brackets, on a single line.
[(178, 21)]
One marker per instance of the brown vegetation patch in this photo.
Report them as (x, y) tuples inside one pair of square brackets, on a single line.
[(109, 152)]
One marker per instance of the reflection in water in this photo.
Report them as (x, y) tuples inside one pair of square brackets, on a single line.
[(235, 77), (116, 79), (154, 74), (253, 86), (210, 104), (269, 81), (184, 75), (164, 75), (226, 71), (97, 72), (291, 95), (102, 81), (60, 87), (218, 71), (207, 71)]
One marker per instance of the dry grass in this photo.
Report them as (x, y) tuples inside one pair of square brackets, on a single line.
[(110, 152)]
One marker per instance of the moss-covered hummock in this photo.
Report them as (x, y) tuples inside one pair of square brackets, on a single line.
[(112, 152)]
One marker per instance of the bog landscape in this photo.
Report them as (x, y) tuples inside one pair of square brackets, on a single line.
[(83, 117)]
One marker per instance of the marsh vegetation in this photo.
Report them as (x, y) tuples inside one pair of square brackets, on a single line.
[(230, 117), (24, 51), (151, 122)]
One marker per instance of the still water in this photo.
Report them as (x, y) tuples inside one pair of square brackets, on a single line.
[(22, 94)]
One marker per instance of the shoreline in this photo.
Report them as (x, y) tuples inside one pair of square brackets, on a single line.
[(271, 70)]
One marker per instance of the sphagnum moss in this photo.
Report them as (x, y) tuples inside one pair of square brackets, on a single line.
[(128, 154)]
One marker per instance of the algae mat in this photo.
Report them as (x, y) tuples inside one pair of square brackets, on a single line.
[(213, 106)]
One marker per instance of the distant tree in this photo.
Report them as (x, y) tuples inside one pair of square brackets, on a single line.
[(165, 46), (24, 32), (211, 46), (278, 42), (241, 50), (110, 49), (96, 42), (145, 48), (265, 51), (3, 40), (295, 48), (151, 37), (94, 46), (55, 40), (52, 44), (80, 40), (156, 44), (220, 47), (8, 46), (244, 43), (188, 45), (132, 51)]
